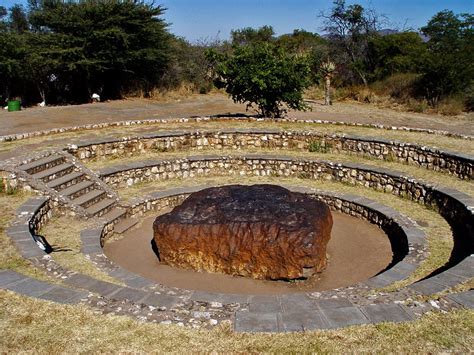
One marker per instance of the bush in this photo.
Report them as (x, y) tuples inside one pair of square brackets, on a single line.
[(262, 75), (451, 106), (398, 86)]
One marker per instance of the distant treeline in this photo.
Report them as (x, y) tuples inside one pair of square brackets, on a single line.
[(63, 52)]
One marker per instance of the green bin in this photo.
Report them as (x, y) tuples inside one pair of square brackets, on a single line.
[(14, 105)]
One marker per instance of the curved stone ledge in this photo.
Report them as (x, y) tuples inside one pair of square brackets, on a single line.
[(456, 207), (259, 313), (406, 239), (27, 135), (460, 165)]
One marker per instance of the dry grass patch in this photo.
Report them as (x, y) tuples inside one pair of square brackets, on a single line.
[(32, 325), (62, 139), (10, 258), (63, 233)]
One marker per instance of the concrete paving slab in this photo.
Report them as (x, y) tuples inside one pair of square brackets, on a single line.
[(30, 287), (343, 317), (255, 322), (386, 313), (64, 295), (302, 320), (8, 277), (465, 299)]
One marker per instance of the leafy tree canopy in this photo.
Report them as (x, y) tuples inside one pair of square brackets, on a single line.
[(263, 75)]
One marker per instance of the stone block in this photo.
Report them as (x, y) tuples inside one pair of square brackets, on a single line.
[(391, 312), (342, 317), (255, 322)]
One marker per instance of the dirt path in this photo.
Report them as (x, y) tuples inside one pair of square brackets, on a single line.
[(34, 119)]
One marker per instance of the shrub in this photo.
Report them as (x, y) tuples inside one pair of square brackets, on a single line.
[(263, 75)]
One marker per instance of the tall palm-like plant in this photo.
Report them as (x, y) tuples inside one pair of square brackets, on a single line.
[(328, 69)]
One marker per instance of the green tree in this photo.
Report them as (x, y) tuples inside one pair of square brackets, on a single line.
[(18, 21), (448, 66), (349, 29), (249, 35), (105, 46), (263, 75), (396, 53)]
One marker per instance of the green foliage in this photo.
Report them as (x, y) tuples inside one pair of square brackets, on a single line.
[(80, 47), (396, 53), (350, 29), (448, 66), (264, 75), (319, 147), (249, 35)]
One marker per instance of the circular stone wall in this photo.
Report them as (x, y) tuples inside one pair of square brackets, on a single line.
[(357, 251)]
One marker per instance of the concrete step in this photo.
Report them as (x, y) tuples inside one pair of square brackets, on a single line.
[(89, 198), (114, 214), (78, 189), (66, 180), (125, 225), (54, 172), (100, 208), (42, 164)]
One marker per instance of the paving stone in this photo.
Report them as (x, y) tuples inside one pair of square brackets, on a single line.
[(394, 274), (18, 229), (448, 279), (465, 299), (64, 295), (296, 303), (160, 300), (333, 303), (415, 235), (255, 322), (138, 282), (21, 236), (302, 320), (427, 287), (28, 249), (378, 281), (465, 268), (404, 268), (80, 281), (203, 296), (30, 287), (27, 209), (122, 274), (92, 249), (89, 233), (129, 293), (8, 277), (264, 304), (342, 317), (386, 313), (103, 288)]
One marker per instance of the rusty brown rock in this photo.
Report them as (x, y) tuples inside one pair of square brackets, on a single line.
[(260, 231)]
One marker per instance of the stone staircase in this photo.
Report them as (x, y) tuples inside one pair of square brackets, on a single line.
[(64, 177)]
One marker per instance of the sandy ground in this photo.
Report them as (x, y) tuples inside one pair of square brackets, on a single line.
[(41, 118), (357, 251)]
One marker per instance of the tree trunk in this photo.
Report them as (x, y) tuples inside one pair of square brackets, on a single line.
[(327, 91)]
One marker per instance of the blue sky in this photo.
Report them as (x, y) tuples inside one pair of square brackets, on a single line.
[(206, 19)]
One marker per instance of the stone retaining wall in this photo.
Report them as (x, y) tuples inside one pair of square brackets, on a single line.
[(457, 208), (407, 241), (460, 165)]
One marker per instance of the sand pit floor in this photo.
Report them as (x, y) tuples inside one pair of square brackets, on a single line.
[(357, 251)]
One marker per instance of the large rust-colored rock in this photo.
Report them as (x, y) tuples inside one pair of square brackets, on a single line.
[(261, 231)]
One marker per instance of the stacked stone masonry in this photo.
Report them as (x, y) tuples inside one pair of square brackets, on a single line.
[(460, 165)]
